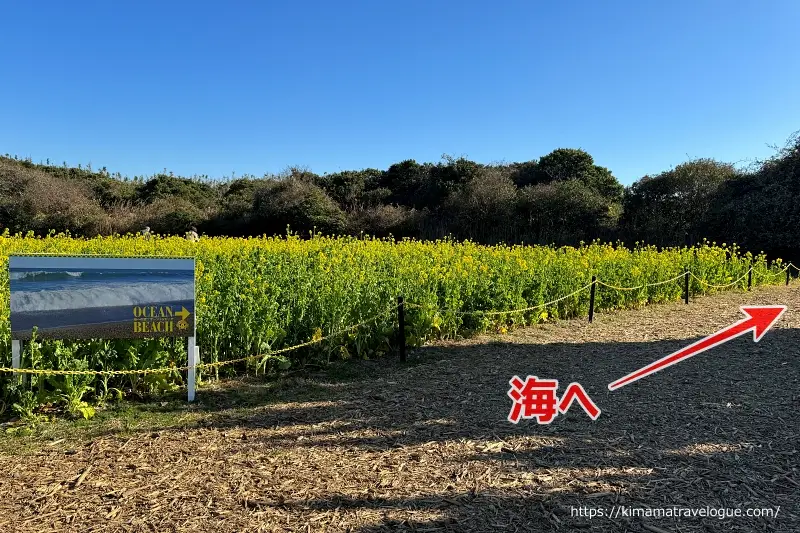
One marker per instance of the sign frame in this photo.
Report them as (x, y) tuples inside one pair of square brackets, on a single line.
[(193, 351)]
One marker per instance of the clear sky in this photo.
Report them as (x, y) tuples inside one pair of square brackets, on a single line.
[(252, 87)]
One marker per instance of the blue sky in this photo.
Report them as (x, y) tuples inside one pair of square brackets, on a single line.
[(253, 87)]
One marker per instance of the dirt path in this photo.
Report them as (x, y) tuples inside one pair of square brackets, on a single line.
[(426, 447)]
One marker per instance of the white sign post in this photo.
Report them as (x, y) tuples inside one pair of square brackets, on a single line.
[(193, 354), (194, 359), (15, 355)]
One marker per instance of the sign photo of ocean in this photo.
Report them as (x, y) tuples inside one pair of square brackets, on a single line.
[(89, 297)]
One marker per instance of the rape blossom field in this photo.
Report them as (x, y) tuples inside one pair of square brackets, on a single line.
[(259, 295)]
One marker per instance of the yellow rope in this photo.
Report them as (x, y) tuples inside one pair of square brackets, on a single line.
[(507, 312), (164, 370), (711, 285), (640, 286), (492, 313)]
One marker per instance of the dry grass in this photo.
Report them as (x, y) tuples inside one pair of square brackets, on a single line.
[(426, 446)]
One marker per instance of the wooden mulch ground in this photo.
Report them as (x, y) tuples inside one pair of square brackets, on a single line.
[(426, 446)]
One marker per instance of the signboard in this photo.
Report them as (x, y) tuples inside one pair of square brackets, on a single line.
[(101, 297)]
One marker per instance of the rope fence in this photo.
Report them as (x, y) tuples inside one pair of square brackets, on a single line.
[(400, 309), (614, 287), (507, 312), (712, 286), (218, 364)]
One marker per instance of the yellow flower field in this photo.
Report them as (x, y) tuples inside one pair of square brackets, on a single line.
[(258, 295)]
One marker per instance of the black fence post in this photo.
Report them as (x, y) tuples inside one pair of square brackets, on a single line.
[(787, 276), (750, 277), (591, 299), (401, 328), (686, 286)]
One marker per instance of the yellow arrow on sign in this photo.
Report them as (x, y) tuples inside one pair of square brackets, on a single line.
[(183, 313)]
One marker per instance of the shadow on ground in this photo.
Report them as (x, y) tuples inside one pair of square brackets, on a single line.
[(430, 438), (718, 430)]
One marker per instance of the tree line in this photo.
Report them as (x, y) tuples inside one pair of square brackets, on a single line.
[(562, 198)]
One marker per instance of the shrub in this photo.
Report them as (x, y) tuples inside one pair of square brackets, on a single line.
[(298, 203)]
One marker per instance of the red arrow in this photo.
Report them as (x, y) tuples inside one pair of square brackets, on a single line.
[(759, 319)]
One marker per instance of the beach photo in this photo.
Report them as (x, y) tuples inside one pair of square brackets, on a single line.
[(88, 297)]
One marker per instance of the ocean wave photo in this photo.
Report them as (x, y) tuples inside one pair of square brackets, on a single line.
[(66, 296), (111, 295)]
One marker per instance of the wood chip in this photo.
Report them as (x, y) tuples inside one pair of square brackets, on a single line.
[(404, 464), (82, 477)]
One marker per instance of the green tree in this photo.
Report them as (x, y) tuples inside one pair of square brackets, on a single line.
[(565, 212), (347, 188), (760, 210), (524, 174), (163, 186), (298, 203), (573, 164), (484, 208), (662, 209), (407, 180)]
